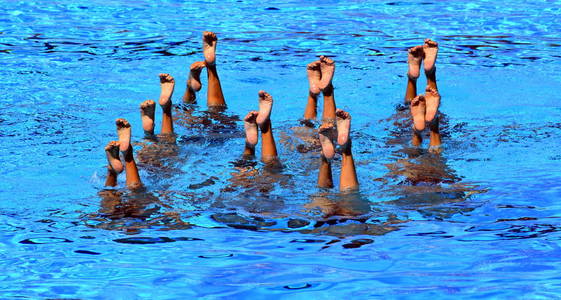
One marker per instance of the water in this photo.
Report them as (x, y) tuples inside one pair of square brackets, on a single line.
[(490, 230)]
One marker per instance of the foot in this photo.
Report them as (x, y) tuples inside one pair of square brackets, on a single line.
[(414, 58), (124, 134), (250, 125), (432, 99), (327, 134), (194, 81), (265, 107), (327, 71), (430, 50), (167, 83), (418, 109), (112, 152), (147, 112), (343, 127), (209, 47)]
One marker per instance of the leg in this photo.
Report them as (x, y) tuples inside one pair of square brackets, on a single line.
[(215, 98), (251, 138), (325, 177), (194, 82), (414, 58), (430, 50), (418, 108), (268, 146), (348, 180), (131, 171), (327, 133), (314, 78), (147, 115), (114, 163), (167, 84), (327, 72)]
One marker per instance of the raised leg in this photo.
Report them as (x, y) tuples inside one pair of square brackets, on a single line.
[(349, 181), (327, 134), (147, 115), (215, 98), (251, 133), (194, 82), (114, 166), (314, 77), (131, 170), (418, 108), (167, 84), (414, 59), (268, 146), (327, 71), (430, 50)]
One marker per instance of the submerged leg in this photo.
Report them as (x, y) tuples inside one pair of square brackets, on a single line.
[(194, 82), (131, 170), (414, 58), (167, 84), (349, 181), (215, 98)]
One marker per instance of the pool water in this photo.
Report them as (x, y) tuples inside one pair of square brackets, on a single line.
[(211, 225)]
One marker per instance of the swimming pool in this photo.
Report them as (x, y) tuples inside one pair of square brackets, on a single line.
[(70, 68)]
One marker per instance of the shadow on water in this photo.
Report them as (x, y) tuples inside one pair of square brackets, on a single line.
[(267, 197)]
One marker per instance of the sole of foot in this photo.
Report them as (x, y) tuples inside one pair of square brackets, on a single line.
[(124, 134), (432, 99), (314, 76), (265, 107), (147, 115), (430, 50), (112, 153), (343, 120), (418, 109), (250, 125), (194, 81), (414, 59), (327, 67), (167, 83), (327, 134), (209, 47)]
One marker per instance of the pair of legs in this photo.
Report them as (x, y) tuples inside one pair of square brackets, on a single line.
[(215, 98), (320, 75), (115, 166), (260, 120), (327, 134), (424, 108), (148, 109)]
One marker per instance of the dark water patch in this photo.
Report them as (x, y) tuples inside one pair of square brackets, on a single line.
[(87, 252), (441, 234), (272, 8), (357, 243), (297, 223), (237, 221), (45, 240), (212, 256), (512, 232), (154, 240), (308, 241), (297, 286)]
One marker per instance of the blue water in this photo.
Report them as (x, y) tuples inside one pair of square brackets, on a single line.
[(491, 229)]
